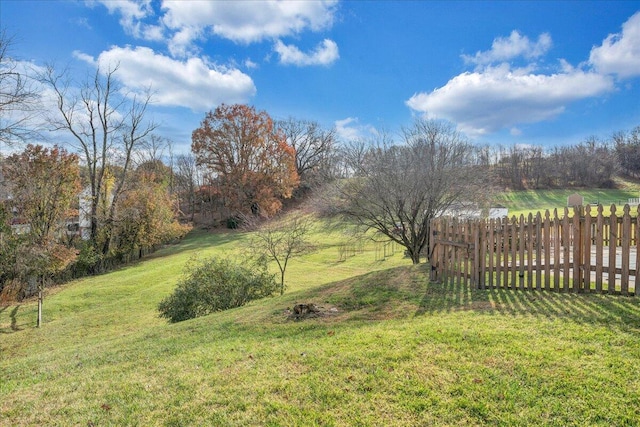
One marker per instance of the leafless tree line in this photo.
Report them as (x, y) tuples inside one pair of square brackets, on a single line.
[(591, 163)]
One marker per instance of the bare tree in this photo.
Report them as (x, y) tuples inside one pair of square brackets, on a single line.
[(353, 154), (627, 148), (313, 145), (399, 189), (282, 240), (105, 125), (186, 179), (18, 98)]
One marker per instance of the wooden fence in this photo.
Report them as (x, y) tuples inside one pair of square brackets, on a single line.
[(585, 250)]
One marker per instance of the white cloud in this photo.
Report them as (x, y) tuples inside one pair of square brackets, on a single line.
[(84, 57), (515, 131), (250, 64), (245, 21), (516, 45), (498, 95), (181, 43), (325, 53), (180, 24), (486, 101), (192, 83), (132, 13), (129, 9), (349, 129), (620, 53)]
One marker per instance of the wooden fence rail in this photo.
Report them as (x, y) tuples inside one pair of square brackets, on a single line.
[(580, 251)]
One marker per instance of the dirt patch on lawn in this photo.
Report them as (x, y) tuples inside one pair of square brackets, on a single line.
[(310, 311)]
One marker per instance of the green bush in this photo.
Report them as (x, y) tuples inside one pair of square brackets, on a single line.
[(88, 261), (216, 284)]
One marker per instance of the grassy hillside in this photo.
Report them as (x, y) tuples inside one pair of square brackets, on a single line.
[(392, 349), (532, 201)]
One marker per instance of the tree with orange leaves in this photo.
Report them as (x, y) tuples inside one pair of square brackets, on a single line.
[(44, 182), (252, 162)]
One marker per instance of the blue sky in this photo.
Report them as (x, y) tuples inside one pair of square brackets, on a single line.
[(544, 73)]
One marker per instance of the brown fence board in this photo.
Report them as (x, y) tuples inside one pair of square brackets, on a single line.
[(538, 248), (599, 248), (547, 250), (587, 242), (626, 244), (613, 238), (566, 249)]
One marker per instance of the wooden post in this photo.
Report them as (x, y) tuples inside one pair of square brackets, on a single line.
[(587, 240), (521, 245), (626, 246), (482, 262), (538, 246), (492, 250), (547, 251), (455, 267), (499, 245), (599, 244), (465, 253), (514, 248), (445, 251), (40, 301), (635, 289), (566, 254), (577, 249), (557, 246), (476, 256), (613, 239)]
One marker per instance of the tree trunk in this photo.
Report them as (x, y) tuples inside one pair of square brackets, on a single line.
[(414, 255)]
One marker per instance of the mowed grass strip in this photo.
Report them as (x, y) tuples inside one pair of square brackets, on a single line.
[(393, 349), (534, 201)]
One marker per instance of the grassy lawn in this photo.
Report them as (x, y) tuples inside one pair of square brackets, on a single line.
[(393, 349), (532, 201)]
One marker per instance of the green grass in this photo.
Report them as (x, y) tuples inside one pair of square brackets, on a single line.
[(397, 351), (532, 201)]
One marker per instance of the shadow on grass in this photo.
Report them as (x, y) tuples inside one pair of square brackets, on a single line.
[(14, 321), (197, 240), (194, 241), (582, 308)]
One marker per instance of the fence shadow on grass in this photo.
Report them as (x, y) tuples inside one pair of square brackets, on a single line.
[(581, 308), (14, 321)]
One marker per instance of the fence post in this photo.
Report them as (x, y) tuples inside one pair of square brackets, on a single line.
[(466, 255), (599, 244), (626, 245), (491, 250), (587, 240), (635, 289), (538, 246), (521, 245), (432, 242), (578, 262), (475, 276), (547, 250), (613, 241)]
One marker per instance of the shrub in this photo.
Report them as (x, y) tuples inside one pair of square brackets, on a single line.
[(233, 222), (216, 284), (88, 260)]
